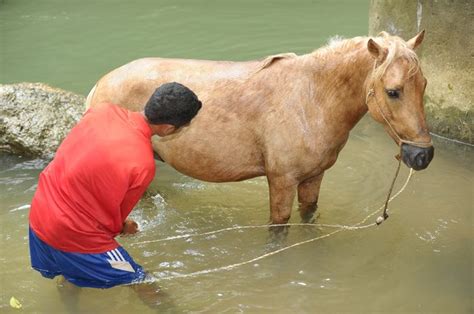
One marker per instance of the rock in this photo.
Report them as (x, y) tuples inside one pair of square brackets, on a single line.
[(35, 118)]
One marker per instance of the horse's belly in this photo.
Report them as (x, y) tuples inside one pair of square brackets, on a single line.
[(211, 160)]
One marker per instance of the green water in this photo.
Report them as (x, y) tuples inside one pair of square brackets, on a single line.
[(70, 44), (420, 260)]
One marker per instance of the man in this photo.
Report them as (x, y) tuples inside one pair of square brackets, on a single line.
[(99, 173)]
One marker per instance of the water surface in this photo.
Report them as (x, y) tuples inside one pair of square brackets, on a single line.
[(420, 260)]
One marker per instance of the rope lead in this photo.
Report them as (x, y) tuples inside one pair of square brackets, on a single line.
[(384, 216)]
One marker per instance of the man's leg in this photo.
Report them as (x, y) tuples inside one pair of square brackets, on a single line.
[(69, 293), (109, 269), (149, 291), (143, 283), (42, 260), (41, 257)]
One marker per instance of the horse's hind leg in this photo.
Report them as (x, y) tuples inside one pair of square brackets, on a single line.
[(308, 193)]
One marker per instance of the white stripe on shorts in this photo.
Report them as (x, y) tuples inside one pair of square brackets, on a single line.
[(111, 256), (115, 255), (120, 255)]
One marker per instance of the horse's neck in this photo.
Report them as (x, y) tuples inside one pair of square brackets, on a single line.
[(341, 78)]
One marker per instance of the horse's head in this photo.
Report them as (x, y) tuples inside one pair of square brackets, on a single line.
[(395, 96)]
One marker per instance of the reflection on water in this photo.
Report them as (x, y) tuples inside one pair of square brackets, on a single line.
[(419, 260)]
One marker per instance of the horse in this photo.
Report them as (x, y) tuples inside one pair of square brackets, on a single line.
[(285, 117)]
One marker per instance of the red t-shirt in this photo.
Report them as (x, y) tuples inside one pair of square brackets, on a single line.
[(98, 174)]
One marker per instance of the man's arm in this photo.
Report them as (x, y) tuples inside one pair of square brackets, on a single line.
[(140, 183)]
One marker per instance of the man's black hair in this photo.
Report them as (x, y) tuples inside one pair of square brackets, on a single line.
[(172, 103)]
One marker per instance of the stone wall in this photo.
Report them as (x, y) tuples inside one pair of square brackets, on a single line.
[(447, 56)]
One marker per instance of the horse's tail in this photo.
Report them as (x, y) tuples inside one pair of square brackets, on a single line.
[(90, 96)]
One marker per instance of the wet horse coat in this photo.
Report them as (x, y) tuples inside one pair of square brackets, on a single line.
[(286, 117)]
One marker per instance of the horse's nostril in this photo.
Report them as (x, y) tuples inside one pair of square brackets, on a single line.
[(420, 159), (417, 158)]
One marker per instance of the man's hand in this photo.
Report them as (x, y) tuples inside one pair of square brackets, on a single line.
[(129, 227)]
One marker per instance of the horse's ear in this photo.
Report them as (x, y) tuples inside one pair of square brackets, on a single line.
[(377, 51), (416, 41)]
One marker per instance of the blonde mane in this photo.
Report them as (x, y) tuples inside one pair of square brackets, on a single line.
[(396, 46), (337, 45)]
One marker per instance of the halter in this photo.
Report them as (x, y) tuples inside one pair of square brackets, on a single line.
[(401, 141)]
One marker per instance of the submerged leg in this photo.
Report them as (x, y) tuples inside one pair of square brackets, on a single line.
[(308, 193), (282, 194), (69, 293), (149, 291)]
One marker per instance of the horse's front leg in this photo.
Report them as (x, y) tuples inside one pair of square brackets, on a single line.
[(308, 193), (282, 193)]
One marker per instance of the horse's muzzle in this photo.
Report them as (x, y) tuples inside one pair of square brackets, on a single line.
[(416, 157)]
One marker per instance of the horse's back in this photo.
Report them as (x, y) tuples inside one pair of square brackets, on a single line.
[(132, 84)]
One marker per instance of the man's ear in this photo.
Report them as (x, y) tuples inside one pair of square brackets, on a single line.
[(170, 128), (163, 129)]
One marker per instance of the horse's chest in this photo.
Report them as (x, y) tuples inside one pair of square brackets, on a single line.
[(317, 156)]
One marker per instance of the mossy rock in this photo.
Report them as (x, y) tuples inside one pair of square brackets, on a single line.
[(35, 118)]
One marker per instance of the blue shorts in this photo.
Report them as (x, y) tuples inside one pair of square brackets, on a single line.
[(103, 270)]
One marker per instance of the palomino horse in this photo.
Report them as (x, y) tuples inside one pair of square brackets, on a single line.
[(286, 117)]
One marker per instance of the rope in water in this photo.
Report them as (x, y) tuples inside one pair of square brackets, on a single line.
[(339, 228), (229, 267)]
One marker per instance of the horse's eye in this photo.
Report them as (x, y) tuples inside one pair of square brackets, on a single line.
[(392, 93)]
